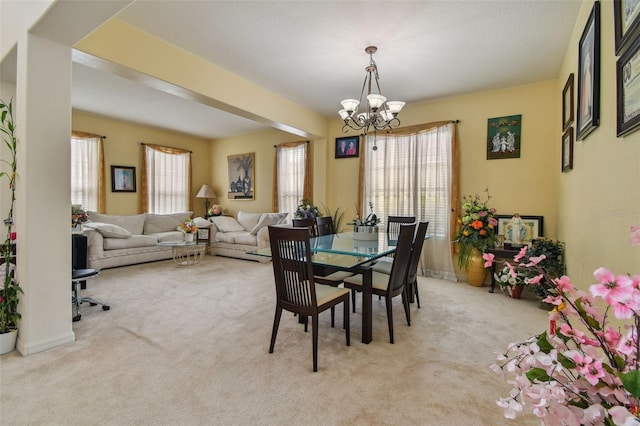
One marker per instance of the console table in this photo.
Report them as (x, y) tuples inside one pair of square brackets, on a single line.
[(500, 254), (185, 254)]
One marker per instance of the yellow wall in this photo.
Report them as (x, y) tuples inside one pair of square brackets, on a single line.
[(122, 148), (599, 199), (526, 184)]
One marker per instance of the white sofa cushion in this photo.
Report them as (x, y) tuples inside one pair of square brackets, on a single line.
[(134, 241), (169, 236), (132, 223), (155, 223), (227, 224), (201, 222), (268, 219), (109, 230), (248, 220)]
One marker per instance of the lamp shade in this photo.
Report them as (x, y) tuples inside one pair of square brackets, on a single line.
[(206, 192)]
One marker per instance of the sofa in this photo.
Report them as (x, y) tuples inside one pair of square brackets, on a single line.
[(233, 237), (114, 240)]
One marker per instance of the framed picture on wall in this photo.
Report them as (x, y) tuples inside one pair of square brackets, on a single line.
[(567, 103), (123, 179), (627, 87), (588, 114), (626, 18), (504, 137), (567, 150), (348, 147), (519, 232), (241, 176)]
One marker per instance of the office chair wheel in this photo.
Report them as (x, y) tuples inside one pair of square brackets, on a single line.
[(93, 304), (77, 318), (106, 307)]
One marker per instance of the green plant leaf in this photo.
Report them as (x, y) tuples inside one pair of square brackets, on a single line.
[(631, 382), (538, 374)]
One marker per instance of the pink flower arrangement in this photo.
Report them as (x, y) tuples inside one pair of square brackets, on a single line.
[(215, 210), (188, 226), (583, 370)]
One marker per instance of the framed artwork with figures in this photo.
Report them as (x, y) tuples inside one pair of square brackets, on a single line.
[(519, 232), (242, 176)]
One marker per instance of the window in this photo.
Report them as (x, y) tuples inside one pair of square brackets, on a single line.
[(292, 175), (410, 174), (167, 174), (86, 165)]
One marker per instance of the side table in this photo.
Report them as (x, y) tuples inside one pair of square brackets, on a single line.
[(186, 254), (500, 254)]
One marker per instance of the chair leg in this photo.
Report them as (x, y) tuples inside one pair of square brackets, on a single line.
[(346, 321), (405, 305), (353, 299), (415, 291), (76, 300), (314, 327), (333, 316), (274, 332), (390, 318)]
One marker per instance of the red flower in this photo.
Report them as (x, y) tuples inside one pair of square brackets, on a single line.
[(477, 224), (482, 232)]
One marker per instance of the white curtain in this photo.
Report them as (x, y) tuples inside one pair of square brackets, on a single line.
[(168, 180), (411, 175), (85, 168), (291, 169)]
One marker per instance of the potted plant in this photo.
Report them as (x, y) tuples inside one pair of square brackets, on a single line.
[(78, 217), (189, 228), (514, 285), (215, 210), (10, 292), (306, 210), (476, 234), (584, 368), (367, 228)]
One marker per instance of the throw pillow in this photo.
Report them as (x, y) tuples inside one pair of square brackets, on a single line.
[(227, 224), (268, 219), (155, 223), (201, 222), (108, 230), (248, 220)]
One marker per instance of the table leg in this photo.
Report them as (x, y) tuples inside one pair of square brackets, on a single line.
[(367, 317), (493, 277)]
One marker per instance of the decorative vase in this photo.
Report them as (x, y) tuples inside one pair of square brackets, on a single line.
[(8, 341), (516, 291), (188, 238), (476, 270), (365, 233)]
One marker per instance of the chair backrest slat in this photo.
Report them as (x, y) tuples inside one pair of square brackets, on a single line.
[(416, 251), (324, 225), (292, 266), (401, 259), (307, 223), (394, 222)]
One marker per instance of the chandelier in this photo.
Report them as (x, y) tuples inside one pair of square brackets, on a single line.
[(380, 113)]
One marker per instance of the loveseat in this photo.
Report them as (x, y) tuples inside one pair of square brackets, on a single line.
[(126, 240), (235, 237)]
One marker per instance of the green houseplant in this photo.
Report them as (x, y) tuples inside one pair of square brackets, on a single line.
[(10, 292)]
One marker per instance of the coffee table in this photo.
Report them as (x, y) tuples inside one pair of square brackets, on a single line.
[(186, 254)]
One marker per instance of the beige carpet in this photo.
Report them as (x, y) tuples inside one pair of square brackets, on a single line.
[(189, 346)]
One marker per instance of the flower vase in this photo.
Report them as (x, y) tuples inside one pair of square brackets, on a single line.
[(188, 238), (476, 270), (365, 233), (8, 341), (515, 292)]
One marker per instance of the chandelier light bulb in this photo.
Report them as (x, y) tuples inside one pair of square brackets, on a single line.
[(350, 105)]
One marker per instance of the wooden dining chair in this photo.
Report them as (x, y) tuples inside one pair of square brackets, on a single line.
[(390, 286), (296, 289), (307, 223), (394, 222), (411, 282), (324, 225)]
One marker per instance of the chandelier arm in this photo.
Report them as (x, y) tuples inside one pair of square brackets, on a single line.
[(347, 124)]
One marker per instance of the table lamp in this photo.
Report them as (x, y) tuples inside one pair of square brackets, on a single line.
[(206, 192)]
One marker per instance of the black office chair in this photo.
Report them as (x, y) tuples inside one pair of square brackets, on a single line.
[(77, 277)]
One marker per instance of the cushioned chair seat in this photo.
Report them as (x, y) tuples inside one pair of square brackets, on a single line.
[(379, 280)]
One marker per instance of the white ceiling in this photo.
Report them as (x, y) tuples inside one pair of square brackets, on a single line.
[(312, 52)]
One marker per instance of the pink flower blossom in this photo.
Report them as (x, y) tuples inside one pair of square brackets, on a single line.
[(488, 257), (534, 260), (611, 288), (521, 254), (534, 280), (563, 283)]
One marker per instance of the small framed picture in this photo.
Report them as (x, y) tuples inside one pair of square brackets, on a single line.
[(519, 230), (567, 150), (627, 87), (588, 115), (204, 234), (626, 18), (348, 147), (567, 103), (123, 179)]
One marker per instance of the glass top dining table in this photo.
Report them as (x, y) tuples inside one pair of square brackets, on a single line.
[(342, 252)]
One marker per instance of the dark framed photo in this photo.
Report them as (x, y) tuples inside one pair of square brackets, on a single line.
[(567, 150), (123, 179), (242, 176), (567, 103), (627, 95), (588, 114), (203, 234), (504, 136), (626, 19), (519, 230), (348, 147)]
